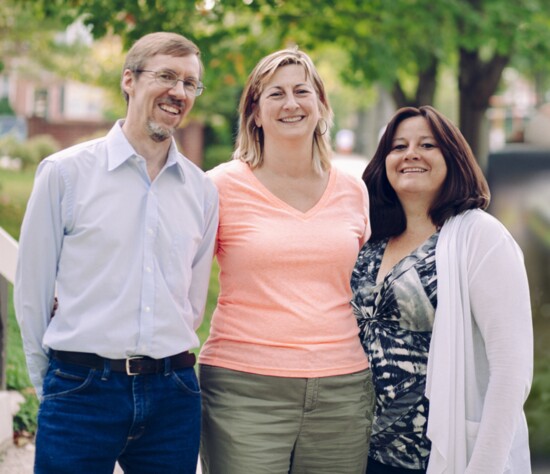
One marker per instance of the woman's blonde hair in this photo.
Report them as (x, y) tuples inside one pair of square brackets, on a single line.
[(250, 138)]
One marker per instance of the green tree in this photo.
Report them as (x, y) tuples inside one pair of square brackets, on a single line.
[(21, 39), (490, 34), (401, 44), (404, 43), (43, 49)]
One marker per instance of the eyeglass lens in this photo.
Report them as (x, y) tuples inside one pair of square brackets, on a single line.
[(170, 79)]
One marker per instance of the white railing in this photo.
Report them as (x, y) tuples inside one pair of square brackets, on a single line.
[(8, 255), (8, 261)]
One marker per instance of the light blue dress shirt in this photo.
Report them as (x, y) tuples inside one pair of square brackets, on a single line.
[(129, 259)]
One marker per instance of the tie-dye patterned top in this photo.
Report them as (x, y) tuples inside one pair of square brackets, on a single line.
[(395, 319)]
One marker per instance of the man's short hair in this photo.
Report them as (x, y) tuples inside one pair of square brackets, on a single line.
[(153, 44)]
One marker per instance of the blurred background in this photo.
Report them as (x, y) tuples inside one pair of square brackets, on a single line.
[(483, 63)]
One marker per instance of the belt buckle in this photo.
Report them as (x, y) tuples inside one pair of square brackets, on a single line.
[(128, 369)]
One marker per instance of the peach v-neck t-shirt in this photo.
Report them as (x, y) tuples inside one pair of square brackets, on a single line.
[(284, 302)]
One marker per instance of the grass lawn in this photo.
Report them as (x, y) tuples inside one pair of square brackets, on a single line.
[(14, 190), (537, 407)]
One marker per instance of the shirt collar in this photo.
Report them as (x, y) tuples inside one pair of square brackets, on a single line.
[(119, 150)]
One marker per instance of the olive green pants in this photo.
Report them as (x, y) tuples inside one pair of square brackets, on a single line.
[(257, 424)]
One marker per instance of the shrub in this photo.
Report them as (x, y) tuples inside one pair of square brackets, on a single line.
[(9, 146), (216, 154), (31, 151), (42, 146), (25, 420), (5, 107), (11, 217)]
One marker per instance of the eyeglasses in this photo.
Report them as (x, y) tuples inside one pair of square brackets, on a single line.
[(169, 79)]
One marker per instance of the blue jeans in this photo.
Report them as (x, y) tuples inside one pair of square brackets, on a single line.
[(88, 419)]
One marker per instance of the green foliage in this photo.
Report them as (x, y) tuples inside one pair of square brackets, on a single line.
[(10, 218), (18, 40), (43, 49), (17, 375), (211, 301), (5, 107), (538, 409), (42, 146), (401, 44), (216, 154), (15, 188), (31, 151), (10, 146), (25, 419)]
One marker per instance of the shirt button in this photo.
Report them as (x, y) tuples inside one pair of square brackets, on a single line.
[(148, 269), (147, 309), (150, 231)]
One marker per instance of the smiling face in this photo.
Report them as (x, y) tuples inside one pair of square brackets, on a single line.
[(155, 111), (415, 165), (288, 107)]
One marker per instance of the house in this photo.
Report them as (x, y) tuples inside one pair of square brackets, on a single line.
[(69, 111)]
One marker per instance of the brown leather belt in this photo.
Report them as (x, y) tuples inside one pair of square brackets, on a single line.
[(134, 365)]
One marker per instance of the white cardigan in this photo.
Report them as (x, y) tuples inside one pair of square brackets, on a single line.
[(480, 364)]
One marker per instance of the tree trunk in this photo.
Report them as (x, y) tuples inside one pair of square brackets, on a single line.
[(425, 88), (471, 123), (399, 96), (477, 82), (427, 81)]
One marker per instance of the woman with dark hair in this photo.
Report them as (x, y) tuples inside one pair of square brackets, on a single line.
[(442, 301)]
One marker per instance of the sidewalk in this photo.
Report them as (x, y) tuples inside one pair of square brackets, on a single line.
[(17, 460), (20, 460)]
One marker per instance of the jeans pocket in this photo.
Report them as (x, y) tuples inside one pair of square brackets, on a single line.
[(64, 379), (186, 381)]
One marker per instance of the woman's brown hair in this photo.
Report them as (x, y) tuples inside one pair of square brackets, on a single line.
[(464, 187)]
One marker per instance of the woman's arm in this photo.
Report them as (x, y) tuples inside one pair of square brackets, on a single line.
[(500, 303)]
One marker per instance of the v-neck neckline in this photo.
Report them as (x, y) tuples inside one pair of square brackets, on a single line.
[(404, 263), (283, 204)]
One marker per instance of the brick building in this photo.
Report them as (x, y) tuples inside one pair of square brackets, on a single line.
[(71, 111)]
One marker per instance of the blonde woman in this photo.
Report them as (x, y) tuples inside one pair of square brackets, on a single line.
[(285, 381)]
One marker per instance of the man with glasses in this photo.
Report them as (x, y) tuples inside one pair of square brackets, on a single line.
[(122, 230)]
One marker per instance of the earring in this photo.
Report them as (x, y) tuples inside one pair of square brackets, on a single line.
[(318, 128)]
